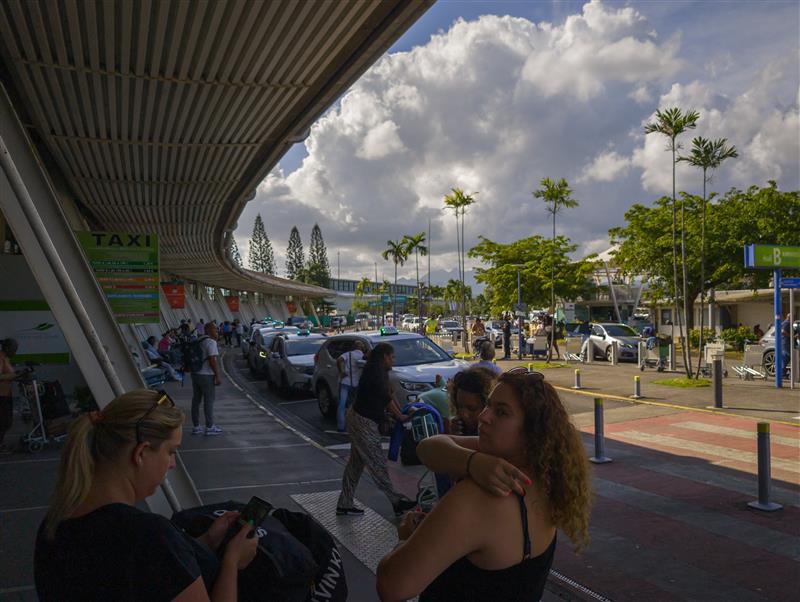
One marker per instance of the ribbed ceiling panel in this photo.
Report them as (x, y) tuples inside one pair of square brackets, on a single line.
[(164, 115)]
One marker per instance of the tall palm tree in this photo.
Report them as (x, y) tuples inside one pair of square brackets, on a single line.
[(672, 123), (396, 249), (707, 155), (417, 245), (458, 200), (556, 196)]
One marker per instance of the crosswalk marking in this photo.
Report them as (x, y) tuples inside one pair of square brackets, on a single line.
[(733, 432), (697, 447)]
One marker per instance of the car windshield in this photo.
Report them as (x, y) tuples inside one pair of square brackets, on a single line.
[(620, 330), (449, 324), (495, 324), (303, 347), (414, 351)]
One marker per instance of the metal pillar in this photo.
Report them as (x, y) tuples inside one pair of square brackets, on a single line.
[(716, 373), (764, 472), (599, 444), (776, 284), (68, 285)]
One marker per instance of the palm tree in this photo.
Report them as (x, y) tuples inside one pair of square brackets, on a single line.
[(416, 244), (708, 155), (397, 251), (672, 123), (458, 200), (556, 196)]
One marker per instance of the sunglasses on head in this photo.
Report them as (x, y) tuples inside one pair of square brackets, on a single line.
[(163, 400), (530, 375)]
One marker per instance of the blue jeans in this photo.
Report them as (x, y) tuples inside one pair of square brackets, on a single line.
[(341, 408)]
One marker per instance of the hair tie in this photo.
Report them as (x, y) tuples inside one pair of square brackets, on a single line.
[(95, 417)]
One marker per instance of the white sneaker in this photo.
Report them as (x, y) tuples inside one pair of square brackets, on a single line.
[(213, 430), (198, 430)]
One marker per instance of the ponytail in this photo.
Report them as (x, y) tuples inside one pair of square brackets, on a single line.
[(103, 437)]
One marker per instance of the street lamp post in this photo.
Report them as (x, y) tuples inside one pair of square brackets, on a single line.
[(518, 310)]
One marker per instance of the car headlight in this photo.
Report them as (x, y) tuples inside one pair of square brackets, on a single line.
[(416, 387)]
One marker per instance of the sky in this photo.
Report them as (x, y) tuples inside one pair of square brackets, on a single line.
[(491, 97)]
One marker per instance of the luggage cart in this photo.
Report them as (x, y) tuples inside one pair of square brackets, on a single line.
[(653, 353), (711, 351), (751, 366), (30, 390)]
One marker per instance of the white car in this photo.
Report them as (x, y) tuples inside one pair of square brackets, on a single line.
[(627, 339), (417, 361)]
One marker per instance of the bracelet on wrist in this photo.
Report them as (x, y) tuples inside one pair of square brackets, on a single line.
[(469, 461)]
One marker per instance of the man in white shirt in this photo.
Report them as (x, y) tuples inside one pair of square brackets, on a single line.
[(349, 375), (203, 382)]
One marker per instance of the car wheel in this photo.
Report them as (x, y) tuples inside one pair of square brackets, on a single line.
[(768, 361), (325, 401), (609, 353)]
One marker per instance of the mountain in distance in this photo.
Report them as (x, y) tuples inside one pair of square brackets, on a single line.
[(440, 278)]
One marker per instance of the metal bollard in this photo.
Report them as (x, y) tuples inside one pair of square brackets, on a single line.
[(764, 476), (599, 451), (577, 379), (614, 352), (716, 375), (637, 388), (589, 351), (641, 354), (671, 357)]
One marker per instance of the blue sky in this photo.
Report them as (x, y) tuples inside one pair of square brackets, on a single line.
[(492, 96)]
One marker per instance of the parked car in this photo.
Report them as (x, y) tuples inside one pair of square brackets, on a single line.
[(258, 351), (299, 321), (494, 330), (290, 361), (417, 361), (410, 323), (768, 341), (252, 330), (449, 326), (627, 339)]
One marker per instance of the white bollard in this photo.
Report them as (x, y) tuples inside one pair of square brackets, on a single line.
[(614, 352), (637, 388), (577, 379)]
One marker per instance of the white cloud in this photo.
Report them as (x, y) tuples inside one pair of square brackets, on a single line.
[(495, 104), (605, 167)]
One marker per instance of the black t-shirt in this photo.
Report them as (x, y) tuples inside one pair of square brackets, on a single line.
[(372, 397), (119, 552)]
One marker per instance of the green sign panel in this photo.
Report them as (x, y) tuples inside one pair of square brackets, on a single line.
[(771, 257), (126, 267)]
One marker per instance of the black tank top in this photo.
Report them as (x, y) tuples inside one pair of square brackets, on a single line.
[(466, 582)]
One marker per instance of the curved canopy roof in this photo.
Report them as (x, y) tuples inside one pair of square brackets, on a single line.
[(163, 116)]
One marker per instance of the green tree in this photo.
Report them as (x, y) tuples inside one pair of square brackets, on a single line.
[(672, 123), (556, 196), (572, 279), (260, 254), (458, 201), (416, 244), (396, 249), (753, 216), (455, 291), (364, 288), (706, 155), (234, 253), (295, 256), (317, 271)]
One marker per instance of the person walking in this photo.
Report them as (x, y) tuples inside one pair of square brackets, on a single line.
[(8, 349), (349, 376), (506, 337), (238, 328), (203, 382), (550, 329), (373, 398)]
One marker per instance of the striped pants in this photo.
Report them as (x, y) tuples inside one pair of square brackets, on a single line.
[(365, 450)]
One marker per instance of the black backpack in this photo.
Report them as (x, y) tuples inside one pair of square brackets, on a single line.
[(193, 355)]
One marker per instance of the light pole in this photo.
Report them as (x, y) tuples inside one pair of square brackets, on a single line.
[(519, 311)]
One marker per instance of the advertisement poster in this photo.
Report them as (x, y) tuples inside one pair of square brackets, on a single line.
[(31, 323), (175, 294), (126, 267), (233, 303)]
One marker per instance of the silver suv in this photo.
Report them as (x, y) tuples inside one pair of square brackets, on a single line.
[(417, 361), (290, 361), (603, 335)]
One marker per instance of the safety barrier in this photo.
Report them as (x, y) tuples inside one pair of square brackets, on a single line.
[(599, 442), (764, 472)]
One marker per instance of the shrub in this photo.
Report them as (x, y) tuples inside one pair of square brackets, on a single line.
[(694, 336), (737, 337)]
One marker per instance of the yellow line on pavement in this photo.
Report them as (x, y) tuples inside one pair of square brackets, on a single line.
[(673, 406)]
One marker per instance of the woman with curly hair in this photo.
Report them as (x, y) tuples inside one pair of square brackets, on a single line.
[(505, 521)]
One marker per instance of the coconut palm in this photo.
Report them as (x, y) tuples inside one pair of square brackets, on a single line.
[(672, 123), (556, 196), (416, 245), (458, 200), (707, 155), (396, 249)]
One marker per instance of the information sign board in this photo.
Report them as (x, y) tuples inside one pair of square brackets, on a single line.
[(126, 267), (771, 257), (790, 282)]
